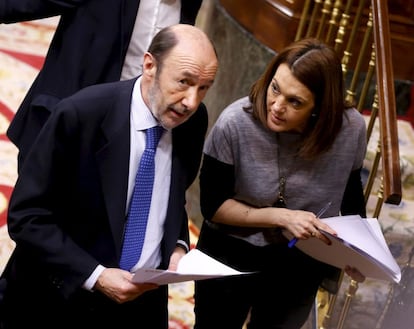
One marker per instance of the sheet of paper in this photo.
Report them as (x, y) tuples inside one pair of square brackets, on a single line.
[(365, 234), (195, 265), (359, 243)]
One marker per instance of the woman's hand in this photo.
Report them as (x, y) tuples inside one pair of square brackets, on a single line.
[(354, 274), (305, 224)]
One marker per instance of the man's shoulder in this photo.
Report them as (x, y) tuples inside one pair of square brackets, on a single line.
[(107, 88)]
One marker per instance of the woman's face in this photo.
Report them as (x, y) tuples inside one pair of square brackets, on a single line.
[(289, 102)]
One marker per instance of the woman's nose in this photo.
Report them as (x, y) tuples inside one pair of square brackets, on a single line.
[(279, 104)]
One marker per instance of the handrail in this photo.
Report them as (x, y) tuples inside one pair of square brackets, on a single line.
[(386, 98)]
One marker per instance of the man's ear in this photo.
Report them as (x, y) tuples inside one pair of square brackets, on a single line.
[(149, 65)]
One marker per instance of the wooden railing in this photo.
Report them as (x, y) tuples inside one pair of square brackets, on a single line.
[(386, 103)]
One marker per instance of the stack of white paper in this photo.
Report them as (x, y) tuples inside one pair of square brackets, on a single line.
[(195, 265), (359, 243)]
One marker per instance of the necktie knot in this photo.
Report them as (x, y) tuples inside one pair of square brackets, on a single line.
[(153, 136)]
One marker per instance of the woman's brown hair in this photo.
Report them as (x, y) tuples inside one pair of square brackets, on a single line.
[(318, 67)]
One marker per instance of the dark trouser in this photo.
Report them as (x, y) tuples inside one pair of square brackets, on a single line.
[(279, 295), (86, 310)]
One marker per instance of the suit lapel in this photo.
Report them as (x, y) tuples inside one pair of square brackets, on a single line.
[(113, 162)]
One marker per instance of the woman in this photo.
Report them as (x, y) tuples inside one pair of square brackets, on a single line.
[(271, 162)]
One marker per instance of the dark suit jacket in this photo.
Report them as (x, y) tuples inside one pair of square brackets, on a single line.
[(89, 47), (67, 211)]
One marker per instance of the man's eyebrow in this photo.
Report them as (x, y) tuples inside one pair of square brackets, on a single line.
[(188, 74), (192, 76)]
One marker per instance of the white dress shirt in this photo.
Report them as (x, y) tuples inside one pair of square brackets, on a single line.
[(152, 16), (142, 119)]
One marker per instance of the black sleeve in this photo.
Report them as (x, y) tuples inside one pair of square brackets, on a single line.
[(216, 185), (189, 11), (188, 141), (353, 201), (13, 11)]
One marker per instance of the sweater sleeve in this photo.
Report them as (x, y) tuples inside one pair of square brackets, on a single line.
[(353, 201), (216, 185)]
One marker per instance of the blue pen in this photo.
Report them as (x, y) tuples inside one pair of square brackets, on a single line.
[(319, 214)]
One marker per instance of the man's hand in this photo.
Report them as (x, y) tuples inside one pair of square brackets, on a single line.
[(175, 258), (117, 285)]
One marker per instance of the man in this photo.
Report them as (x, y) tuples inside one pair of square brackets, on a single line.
[(96, 41), (67, 211)]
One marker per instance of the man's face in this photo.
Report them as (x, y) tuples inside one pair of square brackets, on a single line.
[(178, 87)]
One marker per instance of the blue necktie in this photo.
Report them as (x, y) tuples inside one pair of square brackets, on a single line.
[(140, 202)]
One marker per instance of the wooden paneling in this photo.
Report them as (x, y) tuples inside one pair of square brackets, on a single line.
[(274, 23)]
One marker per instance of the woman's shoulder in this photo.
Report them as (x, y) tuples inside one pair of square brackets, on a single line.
[(234, 121), (236, 111), (237, 105), (354, 118), (354, 128)]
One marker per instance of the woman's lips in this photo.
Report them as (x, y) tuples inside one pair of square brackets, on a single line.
[(277, 119)]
